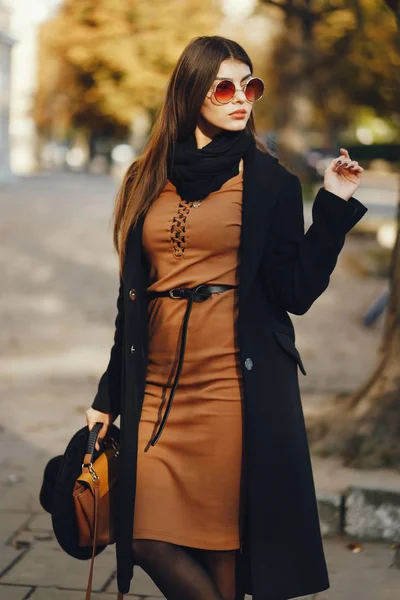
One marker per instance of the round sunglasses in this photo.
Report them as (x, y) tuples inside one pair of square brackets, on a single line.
[(225, 90)]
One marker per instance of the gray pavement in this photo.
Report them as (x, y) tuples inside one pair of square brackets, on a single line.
[(57, 310)]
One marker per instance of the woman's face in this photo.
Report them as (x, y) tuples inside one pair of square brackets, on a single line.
[(214, 115)]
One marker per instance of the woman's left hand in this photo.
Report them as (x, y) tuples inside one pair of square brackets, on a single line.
[(342, 177)]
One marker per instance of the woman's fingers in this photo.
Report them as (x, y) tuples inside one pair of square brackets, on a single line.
[(93, 417), (344, 161), (336, 163), (355, 167), (352, 165)]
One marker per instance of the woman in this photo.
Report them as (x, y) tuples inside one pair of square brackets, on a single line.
[(217, 495)]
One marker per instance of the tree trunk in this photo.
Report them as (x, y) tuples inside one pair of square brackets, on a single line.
[(297, 106)]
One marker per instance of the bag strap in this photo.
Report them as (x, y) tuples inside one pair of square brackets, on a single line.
[(96, 508), (90, 450), (90, 446)]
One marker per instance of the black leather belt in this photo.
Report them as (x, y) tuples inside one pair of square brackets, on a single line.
[(196, 294)]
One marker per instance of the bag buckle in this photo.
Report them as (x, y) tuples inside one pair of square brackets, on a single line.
[(93, 473), (172, 295)]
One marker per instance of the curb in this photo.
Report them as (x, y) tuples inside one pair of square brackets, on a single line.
[(360, 513)]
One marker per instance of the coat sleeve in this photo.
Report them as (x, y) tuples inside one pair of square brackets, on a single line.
[(108, 396), (298, 269)]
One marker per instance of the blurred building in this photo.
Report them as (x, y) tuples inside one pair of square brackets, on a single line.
[(6, 44), (19, 23), (23, 140)]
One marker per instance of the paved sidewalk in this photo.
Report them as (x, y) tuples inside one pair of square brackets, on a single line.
[(57, 310), (33, 566)]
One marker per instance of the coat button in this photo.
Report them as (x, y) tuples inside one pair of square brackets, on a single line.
[(248, 363), (132, 349), (132, 294)]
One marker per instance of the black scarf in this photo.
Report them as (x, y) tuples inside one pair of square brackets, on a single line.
[(197, 172)]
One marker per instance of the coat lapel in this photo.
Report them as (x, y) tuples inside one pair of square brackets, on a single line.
[(260, 190)]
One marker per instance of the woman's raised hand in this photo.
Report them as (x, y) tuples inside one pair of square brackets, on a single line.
[(95, 416), (342, 176)]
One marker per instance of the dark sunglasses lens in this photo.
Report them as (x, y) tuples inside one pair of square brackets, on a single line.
[(254, 89), (224, 91)]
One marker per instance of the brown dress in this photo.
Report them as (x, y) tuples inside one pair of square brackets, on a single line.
[(188, 484)]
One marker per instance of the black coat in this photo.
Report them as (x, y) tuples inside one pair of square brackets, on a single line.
[(283, 269)]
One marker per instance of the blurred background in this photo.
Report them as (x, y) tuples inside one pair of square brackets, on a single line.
[(80, 84)]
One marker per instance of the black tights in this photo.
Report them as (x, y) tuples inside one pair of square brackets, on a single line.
[(183, 573)]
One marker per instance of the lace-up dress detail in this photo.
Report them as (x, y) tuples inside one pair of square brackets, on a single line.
[(178, 228), (188, 486)]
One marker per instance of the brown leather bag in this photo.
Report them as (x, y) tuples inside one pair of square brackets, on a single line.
[(94, 497)]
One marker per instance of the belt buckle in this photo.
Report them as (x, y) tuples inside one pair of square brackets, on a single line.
[(171, 293)]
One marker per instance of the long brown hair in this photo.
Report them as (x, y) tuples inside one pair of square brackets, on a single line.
[(192, 77)]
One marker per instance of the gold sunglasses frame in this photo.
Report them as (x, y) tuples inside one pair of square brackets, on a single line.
[(243, 89)]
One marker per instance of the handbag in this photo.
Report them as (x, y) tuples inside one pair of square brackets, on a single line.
[(94, 497)]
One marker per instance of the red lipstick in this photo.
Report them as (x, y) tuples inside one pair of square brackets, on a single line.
[(239, 114)]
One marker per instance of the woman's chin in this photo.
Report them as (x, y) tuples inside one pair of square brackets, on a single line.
[(233, 125)]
